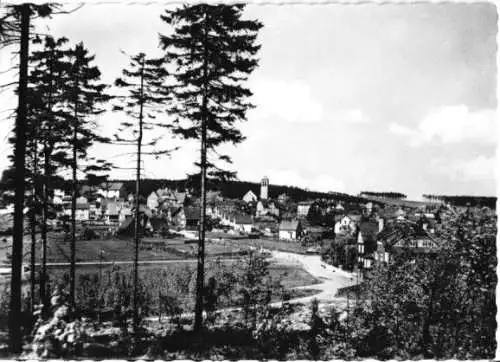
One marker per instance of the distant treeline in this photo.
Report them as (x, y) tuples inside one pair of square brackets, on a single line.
[(462, 200), (237, 189), (390, 195)]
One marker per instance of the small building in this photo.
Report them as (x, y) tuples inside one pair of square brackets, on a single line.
[(346, 225), (125, 211), (113, 190), (82, 212), (264, 208), (243, 223), (153, 201), (367, 242), (303, 208), (289, 230), (112, 213), (250, 197)]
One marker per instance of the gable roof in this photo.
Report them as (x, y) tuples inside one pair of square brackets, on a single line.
[(180, 196), (250, 193), (115, 186), (82, 206)]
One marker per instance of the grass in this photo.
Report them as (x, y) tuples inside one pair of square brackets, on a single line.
[(178, 279), (271, 244), (217, 244)]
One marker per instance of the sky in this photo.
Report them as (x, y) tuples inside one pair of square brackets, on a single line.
[(348, 98)]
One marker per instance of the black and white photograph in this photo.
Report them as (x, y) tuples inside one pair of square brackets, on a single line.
[(248, 181)]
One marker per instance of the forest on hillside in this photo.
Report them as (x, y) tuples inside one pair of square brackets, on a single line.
[(234, 189), (463, 200)]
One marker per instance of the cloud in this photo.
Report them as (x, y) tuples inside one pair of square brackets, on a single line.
[(452, 125), (398, 129), (474, 169), (457, 123), (352, 116), (289, 101)]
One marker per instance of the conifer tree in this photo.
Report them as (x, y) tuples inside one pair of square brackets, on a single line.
[(212, 51), (144, 80), (85, 96), (15, 29), (48, 80)]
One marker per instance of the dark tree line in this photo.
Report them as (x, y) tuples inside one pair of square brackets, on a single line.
[(390, 195), (463, 200)]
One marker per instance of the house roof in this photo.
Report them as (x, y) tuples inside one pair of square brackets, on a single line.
[(250, 193), (289, 225), (354, 217), (400, 213), (243, 219), (267, 203), (112, 186), (180, 196)]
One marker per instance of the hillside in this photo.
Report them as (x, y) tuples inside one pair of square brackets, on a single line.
[(236, 189)]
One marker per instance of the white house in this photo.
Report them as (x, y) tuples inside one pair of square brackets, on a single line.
[(153, 201), (266, 208), (113, 190), (124, 212), (250, 197), (82, 212), (289, 230), (112, 212), (243, 223), (345, 226), (303, 208)]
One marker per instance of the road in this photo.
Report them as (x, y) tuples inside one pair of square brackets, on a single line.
[(332, 278)]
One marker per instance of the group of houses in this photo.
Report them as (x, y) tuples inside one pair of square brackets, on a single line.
[(108, 202), (367, 224)]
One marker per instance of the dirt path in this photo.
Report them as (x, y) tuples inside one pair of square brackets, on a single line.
[(332, 278)]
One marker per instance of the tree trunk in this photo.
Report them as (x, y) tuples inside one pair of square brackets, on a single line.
[(137, 206), (43, 274), (19, 160), (72, 272), (200, 277), (34, 208), (46, 170)]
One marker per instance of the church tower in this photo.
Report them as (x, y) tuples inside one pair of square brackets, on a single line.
[(264, 188)]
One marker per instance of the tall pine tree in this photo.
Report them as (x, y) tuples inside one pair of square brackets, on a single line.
[(213, 50), (48, 81), (144, 80), (15, 28), (85, 97)]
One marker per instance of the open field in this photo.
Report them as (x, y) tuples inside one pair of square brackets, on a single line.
[(114, 249)]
